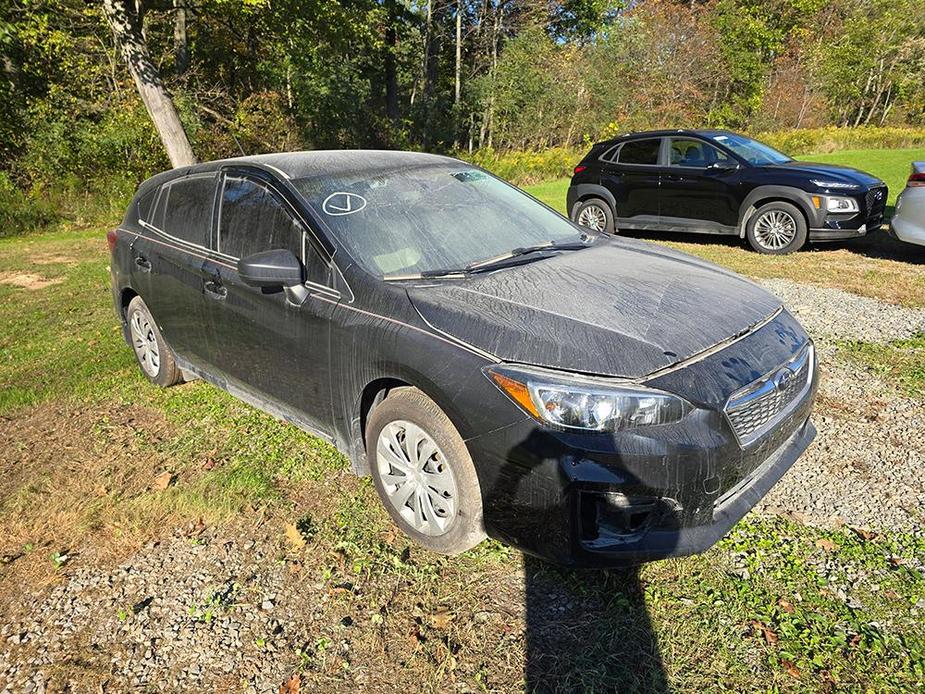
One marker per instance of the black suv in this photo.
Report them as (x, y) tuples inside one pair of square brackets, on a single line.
[(719, 182)]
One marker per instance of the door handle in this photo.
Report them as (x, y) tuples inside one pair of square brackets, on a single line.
[(674, 177), (143, 263), (216, 290)]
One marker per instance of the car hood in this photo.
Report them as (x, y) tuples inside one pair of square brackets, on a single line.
[(831, 172), (620, 308)]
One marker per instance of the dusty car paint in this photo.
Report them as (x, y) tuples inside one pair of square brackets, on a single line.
[(322, 356)]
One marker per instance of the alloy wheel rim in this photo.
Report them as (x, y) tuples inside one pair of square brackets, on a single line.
[(417, 478), (593, 217), (775, 230), (145, 343)]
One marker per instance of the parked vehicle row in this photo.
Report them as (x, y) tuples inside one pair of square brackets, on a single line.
[(497, 369), (720, 182)]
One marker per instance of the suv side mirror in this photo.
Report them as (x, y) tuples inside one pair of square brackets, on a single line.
[(271, 269), (723, 166)]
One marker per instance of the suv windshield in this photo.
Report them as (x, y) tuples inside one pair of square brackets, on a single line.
[(431, 217), (751, 150)]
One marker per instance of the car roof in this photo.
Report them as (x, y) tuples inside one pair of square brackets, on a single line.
[(634, 135), (306, 164)]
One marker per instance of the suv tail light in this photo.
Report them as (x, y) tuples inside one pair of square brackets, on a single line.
[(111, 238), (916, 180), (580, 168)]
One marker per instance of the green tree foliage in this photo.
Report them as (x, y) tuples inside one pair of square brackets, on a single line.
[(262, 75)]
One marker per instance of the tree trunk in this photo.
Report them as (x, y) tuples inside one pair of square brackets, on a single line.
[(180, 43), (391, 78), (123, 19), (459, 12)]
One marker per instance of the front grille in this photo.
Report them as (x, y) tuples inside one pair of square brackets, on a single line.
[(756, 408), (875, 201)]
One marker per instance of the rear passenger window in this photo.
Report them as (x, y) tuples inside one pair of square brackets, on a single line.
[(640, 152), (185, 209), (254, 219)]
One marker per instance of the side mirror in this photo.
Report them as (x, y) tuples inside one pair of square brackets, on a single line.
[(723, 166), (271, 269)]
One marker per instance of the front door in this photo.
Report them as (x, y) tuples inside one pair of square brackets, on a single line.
[(264, 343), (699, 188), (633, 177)]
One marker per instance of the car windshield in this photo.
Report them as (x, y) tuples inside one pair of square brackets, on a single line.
[(405, 220), (751, 150)]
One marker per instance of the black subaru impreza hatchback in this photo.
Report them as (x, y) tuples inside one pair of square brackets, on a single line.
[(495, 368)]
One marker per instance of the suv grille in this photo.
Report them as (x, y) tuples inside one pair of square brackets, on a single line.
[(875, 201), (757, 407)]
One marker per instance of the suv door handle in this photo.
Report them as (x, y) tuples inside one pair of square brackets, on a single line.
[(143, 263), (216, 290), (674, 177)]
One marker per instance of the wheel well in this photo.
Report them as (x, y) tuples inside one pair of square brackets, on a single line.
[(373, 394), (125, 299), (772, 198)]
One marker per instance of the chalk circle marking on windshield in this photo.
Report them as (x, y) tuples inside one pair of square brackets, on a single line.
[(338, 204)]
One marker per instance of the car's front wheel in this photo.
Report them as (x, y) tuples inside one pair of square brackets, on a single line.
[(595, 214), (155, 358), (424, 473), (776, 228)]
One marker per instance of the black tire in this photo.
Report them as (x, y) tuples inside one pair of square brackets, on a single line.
[(404, 406), (597, 208), (788, 214), (159, 365)]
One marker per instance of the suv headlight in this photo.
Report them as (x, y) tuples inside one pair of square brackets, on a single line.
[(573, 401), (840, 204), (833, 185)]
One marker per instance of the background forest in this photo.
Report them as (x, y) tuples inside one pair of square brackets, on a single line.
[(480, 77)]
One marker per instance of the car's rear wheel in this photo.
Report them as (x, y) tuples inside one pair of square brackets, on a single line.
[(776, 228), (595, 214), (155, 358), (424, 473)]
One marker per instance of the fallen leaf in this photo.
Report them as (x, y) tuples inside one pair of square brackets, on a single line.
[(786, 606), (209, 463), (294, 537), (163, 480), (770, 636), (825, 544), (864, 533), (791, 669), (442, 618), (292, 685)]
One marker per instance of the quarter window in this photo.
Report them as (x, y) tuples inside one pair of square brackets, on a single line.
[(184, 209), (640, 152), (254, 219)]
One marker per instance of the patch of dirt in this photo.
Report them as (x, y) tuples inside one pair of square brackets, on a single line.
[(28, 280), (61, 469), (53, 259)]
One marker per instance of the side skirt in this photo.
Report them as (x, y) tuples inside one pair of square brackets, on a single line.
[(259, 401)]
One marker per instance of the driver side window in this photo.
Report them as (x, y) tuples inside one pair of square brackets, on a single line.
[(253, 218), (695, 154)]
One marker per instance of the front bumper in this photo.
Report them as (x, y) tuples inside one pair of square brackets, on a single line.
[(616, 499)]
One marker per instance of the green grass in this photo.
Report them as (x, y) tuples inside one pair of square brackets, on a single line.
[(902, 361)]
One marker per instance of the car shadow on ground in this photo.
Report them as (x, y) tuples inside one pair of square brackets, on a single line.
[(585, 630)]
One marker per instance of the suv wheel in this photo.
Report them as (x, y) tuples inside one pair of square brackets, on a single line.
[(155, 358), (776, 228), (595, 214), (423, 472)]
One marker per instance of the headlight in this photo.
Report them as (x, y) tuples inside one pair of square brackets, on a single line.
[(838, 204), (573, 401), (833, 185)]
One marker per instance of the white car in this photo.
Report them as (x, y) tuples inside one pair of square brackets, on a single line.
[(908, 223)]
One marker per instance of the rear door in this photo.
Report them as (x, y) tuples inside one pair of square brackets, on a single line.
[(263, 342), (631, 173), (700, 187), (167, 261)]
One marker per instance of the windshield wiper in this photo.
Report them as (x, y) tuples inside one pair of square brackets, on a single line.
[(490, 263), (501, 260)]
